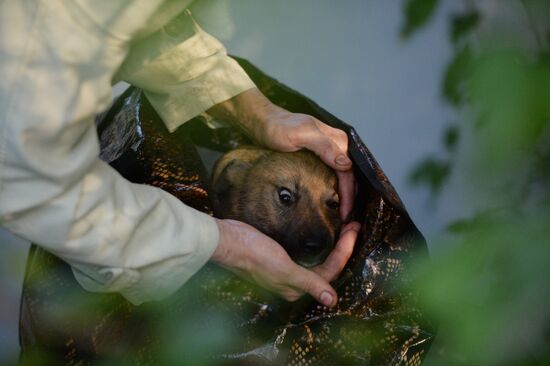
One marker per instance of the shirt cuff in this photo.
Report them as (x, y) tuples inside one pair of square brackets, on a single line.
[(187, 100), (183, 71), (157, 280)]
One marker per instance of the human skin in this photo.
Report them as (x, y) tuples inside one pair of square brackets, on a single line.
[(253, 255)]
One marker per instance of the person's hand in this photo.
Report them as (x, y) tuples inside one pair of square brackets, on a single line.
[(281, 130), (254, 256)]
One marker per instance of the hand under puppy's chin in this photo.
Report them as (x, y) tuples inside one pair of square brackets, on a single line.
[(310, 262)]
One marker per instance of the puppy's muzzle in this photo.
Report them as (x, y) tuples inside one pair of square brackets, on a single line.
[(314, 249)]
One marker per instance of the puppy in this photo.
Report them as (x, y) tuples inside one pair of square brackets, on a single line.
[(291, 197)]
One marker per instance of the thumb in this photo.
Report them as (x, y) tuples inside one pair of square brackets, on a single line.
[(329, 152), (338, 258), (334, 155), (325, 145), (310, 282)]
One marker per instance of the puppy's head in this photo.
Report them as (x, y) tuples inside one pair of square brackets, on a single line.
[(291, 197)]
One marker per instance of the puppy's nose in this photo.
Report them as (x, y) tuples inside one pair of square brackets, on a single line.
[(313, 246), (313, 250)]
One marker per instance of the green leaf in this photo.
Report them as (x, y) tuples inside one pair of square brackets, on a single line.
[(456, 76), (451, 137), (417, 14), (430, 172), (463, 24)]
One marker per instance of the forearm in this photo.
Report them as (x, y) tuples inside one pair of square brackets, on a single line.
[(250, 110)]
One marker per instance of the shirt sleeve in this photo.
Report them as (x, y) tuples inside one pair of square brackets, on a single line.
[(183, 70), (57, 65)]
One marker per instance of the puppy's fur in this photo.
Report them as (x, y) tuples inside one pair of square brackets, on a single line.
[(291, 197)]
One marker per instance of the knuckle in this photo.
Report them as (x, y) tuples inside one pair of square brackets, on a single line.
[(307, 283), (291, 296), (304, 130), (311, 283), (311, 124), (341, 135), (340, 138), (310, 120)]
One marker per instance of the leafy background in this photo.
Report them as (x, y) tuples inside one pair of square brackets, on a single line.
[(488, 286)]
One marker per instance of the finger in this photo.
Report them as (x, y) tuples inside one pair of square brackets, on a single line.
[(338, 258), (290, 294), (346, 179), (336, 134), (346, 192), (325, 147), (315, 285)]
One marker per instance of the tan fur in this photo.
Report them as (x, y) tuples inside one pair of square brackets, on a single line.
[(247, 186)]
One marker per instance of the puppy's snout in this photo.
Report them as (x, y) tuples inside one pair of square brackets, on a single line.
[(313, 250), (316, 245)]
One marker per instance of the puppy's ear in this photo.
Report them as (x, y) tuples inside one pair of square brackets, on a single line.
[(228, 175), (245, 155), (231, 176)]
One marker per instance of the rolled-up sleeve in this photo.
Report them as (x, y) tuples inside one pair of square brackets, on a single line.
[(57, 65), (183, 70)]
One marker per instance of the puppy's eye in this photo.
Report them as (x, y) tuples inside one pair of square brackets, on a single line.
[(333, 204), (285, 196)]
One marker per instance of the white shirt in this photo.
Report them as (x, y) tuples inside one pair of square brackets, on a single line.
[(58, 59)]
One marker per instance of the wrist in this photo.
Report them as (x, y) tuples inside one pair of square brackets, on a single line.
[(251, 111), (229, 252), (221, 253)]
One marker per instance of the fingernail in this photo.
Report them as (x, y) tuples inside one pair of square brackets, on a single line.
[(326, 298), (342, 160)]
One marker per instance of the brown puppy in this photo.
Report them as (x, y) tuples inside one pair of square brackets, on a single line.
[(291, 197)]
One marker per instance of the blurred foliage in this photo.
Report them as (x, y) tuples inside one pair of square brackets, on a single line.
[(434, 171), (456, 75), (431, 172), (417, 13), (487, 287), (450, 138), (463, 24)]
